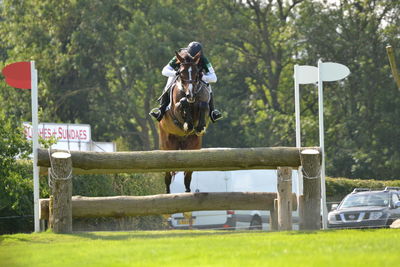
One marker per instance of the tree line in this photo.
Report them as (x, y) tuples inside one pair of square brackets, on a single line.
[(100, 63)]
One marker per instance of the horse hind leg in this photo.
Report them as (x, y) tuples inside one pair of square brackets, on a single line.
[(188, 179), (168, 179)]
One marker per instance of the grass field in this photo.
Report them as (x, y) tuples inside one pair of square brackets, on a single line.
[(204, 248)]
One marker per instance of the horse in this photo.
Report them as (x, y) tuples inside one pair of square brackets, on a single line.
[(186, 120)]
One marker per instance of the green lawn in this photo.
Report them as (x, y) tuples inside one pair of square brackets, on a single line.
[(202, 248)]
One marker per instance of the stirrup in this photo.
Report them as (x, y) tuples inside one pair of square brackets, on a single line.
[(215, 115), (156, 113)]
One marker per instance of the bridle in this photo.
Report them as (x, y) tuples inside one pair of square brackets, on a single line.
[(192, 83), (190, 78)]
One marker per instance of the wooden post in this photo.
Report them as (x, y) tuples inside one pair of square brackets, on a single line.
[(273, 217), (60, 220), (300, 203), (392, 61), (284, 198), (311, 200)]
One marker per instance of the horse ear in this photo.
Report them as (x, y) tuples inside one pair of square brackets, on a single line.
[(179, 58), (197, 57)]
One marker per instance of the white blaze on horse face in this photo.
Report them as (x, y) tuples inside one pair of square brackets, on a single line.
[(180, 87), (190, 84)]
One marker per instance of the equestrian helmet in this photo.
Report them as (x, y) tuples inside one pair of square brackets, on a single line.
[(194, 47)]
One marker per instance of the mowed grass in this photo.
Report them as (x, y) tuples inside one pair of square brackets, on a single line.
[(204, 248)]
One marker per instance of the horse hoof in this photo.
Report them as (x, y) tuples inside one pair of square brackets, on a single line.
[(187, 127), (200, 132), (187, 191)]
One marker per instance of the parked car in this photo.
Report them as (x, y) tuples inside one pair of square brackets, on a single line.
[(364, 208), (227, 181)]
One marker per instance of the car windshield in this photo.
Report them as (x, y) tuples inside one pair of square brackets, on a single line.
[(366, 199)]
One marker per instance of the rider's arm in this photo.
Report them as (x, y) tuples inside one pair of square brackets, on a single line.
[(170, 69), (209, 75)]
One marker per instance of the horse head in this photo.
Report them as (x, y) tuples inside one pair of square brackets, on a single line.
[(189, 74)]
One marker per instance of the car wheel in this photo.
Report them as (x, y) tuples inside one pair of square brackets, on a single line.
[(256, 223)]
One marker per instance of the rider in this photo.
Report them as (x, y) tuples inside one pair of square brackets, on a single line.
[(170, 71)]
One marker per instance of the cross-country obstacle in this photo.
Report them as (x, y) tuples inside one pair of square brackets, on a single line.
[(61, 206)]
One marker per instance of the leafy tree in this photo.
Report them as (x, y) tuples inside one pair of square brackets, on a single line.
[(15, 179), (361, 113)]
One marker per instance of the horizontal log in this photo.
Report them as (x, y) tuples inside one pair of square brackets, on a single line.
[(78, 171), (191, 160), (120, 206)]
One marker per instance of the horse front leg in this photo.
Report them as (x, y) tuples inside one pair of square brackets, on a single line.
[(168, 179), (186, 115), (188, 179), (201, 126)]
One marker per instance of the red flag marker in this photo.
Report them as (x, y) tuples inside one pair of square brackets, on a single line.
[(25, 76), (18, 75)]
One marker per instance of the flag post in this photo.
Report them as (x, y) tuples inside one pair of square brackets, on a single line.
[(298, 127), (322, 143), (35, 141), (297, 106)]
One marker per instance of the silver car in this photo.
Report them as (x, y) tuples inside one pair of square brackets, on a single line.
[(364, 208)]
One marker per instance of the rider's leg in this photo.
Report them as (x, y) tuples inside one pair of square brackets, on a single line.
[(214, 113), (164, 99), (159, 112)]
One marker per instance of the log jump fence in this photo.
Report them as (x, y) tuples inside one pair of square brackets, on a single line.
[(61, 165)]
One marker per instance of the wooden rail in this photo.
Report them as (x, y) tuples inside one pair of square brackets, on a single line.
[(210, 159), (119, 206)]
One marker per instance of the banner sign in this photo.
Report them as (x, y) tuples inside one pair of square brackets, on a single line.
[(62, 132)]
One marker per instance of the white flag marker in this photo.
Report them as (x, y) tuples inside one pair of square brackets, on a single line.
[(327, 72), (332, 72), (302, 75)]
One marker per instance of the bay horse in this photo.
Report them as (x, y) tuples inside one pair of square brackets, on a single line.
[(186, 120)]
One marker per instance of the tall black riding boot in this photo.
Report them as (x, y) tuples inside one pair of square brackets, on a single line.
[(159, 112), (214, 113)]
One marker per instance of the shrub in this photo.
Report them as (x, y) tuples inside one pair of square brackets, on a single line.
[(338, 188)]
